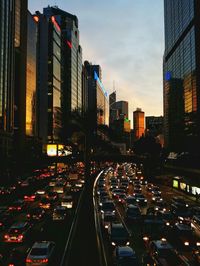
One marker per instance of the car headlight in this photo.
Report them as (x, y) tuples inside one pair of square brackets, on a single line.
[(145, 238), (198, 244), (187, 205), (186, 243), (113, 244), (113, 211), (106, 226), (127, 243), (153, 198), (137, 200), (145, 200), (102, 211), (167, 223)]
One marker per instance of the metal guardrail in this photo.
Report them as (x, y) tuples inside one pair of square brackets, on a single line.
[(65, 257), (101, 248)]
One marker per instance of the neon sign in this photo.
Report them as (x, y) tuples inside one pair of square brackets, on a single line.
[(55, 23)]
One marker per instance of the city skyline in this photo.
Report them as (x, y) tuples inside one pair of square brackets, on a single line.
[(102, 35)]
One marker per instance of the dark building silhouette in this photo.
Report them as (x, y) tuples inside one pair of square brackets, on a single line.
[(181, 75), (7, 52), (154, 125)]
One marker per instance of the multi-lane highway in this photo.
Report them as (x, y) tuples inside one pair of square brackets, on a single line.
[(158, 223)]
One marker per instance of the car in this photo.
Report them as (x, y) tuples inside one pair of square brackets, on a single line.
[(45, 203), (140, 199), (116, 192), (156, 197), (163, 253), (130, 200), (107, 206), (132, 213), (183, 236), (52, 196), (16, 206), (40, 254), (29, 197), (17, 232), (107, 218), (179, 211), (195, 223), (121, 198), (149, 187), (67, 201), (118, 234), (179, 202), (125, 256), (59, 213), (155, 190), (35, 214)]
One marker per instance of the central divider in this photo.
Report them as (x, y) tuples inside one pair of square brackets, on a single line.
[(102, 254), (81, 247)]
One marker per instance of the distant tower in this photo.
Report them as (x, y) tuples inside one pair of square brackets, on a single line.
[(138, 122)]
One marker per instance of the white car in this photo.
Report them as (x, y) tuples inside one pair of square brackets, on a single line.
[(67, 201), (40, 254)]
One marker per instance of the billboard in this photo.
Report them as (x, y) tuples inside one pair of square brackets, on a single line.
[(58, 150)]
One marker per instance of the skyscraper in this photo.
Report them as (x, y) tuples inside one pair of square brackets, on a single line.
[(71, 70), (97, 96), (7, 35), (49, 78), (138, 122), (181, 67)]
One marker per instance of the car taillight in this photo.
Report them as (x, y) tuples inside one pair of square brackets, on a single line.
[(6, 236), (20, 236), (1, 224), (28, 260), (11, 265), (19, 208), (44, 260), (25, 197), (28, 215)]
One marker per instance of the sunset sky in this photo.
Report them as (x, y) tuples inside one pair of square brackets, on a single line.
[(126, 38)]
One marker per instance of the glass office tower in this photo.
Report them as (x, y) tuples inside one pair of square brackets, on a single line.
[(6, 75), (31, 67), (181, 75)]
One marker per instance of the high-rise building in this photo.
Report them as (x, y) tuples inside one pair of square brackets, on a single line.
[(71, 70), (138, 122), (31, 75), (97, 96), (49, 78), (154, 125), (122, 108), (113, 113), (7, 35), (181, 67)]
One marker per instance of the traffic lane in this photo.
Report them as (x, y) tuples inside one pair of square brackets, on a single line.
[(43, 230)]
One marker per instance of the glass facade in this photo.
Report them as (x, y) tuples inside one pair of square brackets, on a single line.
[(31, 77), (76, 69), (102, 106), (6, 74), (180, 76), (54, 84)]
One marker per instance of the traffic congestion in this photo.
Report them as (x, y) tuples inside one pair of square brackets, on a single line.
[(36, 214), (141, 223)]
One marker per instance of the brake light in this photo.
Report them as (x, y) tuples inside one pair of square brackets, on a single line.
[(25, 197), (28, 260), (19, 208), (11, 265), (6, 236), (1, 224), (28, 215), (20, 236), (44, 260)]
